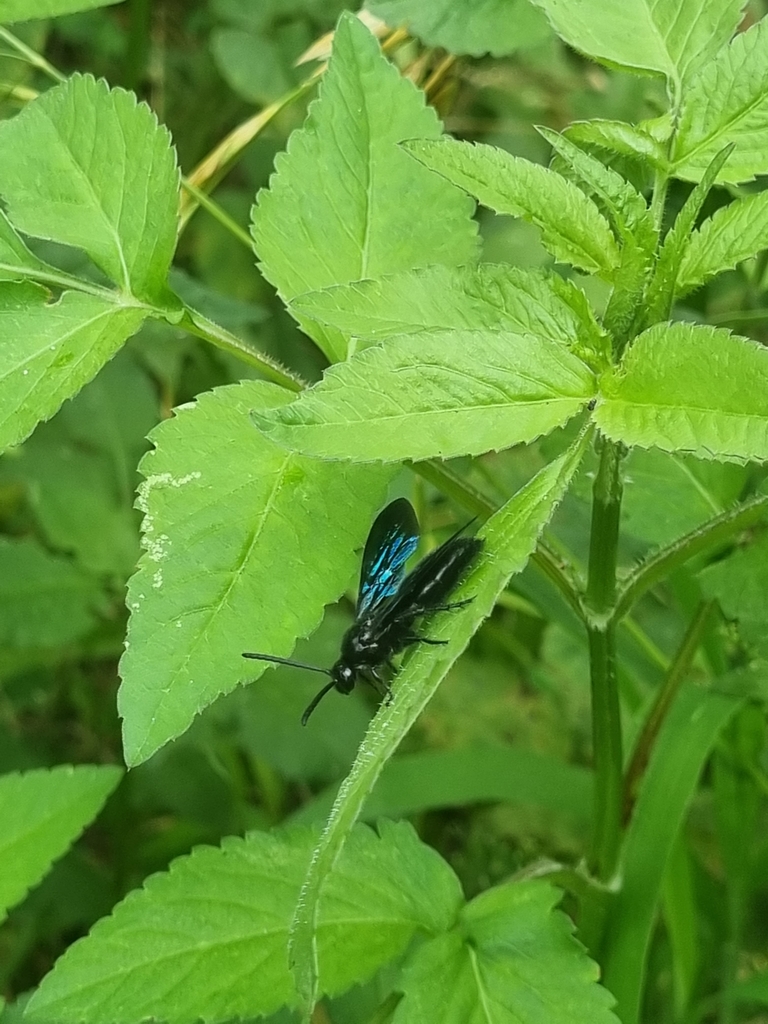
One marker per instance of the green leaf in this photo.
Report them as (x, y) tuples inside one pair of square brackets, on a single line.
[(25, 10), (42, 812), (740, 582), (435, 394), (513, 960), (214, 531), (489, 296), (15, 257), (681, 750), (510, 537), (572, 228), (727, 102), (673, 37), (619, 137), (688, 388), (48, 351), (486, 26), (82, 146), (252, 64), (371, 210), (45, 601), (207, 939), (732, 234)]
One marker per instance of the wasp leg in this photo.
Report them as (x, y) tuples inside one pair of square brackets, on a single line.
[(424, 640), (381, 686), (452, 606)]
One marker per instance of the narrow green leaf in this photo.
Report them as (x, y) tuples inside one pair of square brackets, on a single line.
[(215, 529), (661, 292), (572, 228), (732, 234), (41, 813), (740, 582), (487, 26), (682, 748), (48, 351), (435, 394), (82, 146), (431, 779), (488, 296), (514, 960), (727, 102), (25, 10), (683, 387), (371, 210), (207, 939), (510, 537), (673, 37), (15, 257), (619, 137), (45, 601)]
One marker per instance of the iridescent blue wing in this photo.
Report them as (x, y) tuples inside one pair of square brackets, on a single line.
[(392, 540)]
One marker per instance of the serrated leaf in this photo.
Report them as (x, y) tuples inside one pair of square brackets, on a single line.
[(510, 537), (689, 388), (572, 228), (513, 961), (435, 394), (673, 37), (48, 351), (727, 102), (732, 234), (740, 582), (619, 137), (371, 210), (41, 813), (207, 939), (45, 601), (25, 10), (488, 296), (82, 146), (215, 530), (497, 27)]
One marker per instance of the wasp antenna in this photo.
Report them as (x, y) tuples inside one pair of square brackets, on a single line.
[(315, 701), (286, 661)]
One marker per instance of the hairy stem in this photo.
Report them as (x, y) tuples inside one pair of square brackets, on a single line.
[(601, 632)]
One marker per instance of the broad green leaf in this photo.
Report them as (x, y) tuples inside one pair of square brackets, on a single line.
[(679, 754), (510, 537), (41, 813), (732, 234), (727, 102), (673, 37), (572, 228), (207, 939), (431, 779), (215, 530), (488, 296), (82, 146), (484, 26), (435, 394), (663, 286), (740, 582), (513, 960), (688, 388), (25, 10), (48, 351), (619, 137), (45, 601), (371, 210)]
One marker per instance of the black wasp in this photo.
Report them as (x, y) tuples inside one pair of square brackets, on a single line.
[(389, 602)]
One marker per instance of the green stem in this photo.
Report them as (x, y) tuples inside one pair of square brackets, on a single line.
[(718, 530), (606, 721), (678, 670), (221, 215), (35, 59), (58, 279), (139, 42), (659, 197), (202, 327)]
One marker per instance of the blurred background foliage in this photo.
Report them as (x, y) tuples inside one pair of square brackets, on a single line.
[(495, 775)]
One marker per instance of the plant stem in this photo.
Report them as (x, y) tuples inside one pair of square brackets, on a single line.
[(676, 675), (659, 197), (601, 632), (35, 59), (216, 211)]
